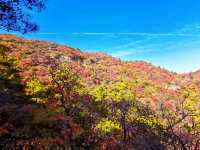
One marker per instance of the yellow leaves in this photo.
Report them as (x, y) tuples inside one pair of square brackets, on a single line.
[(122, 90), (152, 122), (192, 96), (190, 105), (149, 90), (82, 88), (34, 86), (99, 92), (36, 89), (107, 126), (38, 100), (8, 67), (63, 76)]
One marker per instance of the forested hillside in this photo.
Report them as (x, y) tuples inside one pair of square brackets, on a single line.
[(57, 97)]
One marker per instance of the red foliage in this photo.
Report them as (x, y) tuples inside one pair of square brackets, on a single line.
[(110, 143), (3, 131)]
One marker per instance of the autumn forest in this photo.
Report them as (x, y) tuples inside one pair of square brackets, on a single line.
[(55, 97)]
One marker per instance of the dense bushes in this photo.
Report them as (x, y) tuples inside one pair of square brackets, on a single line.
[(66, 111)]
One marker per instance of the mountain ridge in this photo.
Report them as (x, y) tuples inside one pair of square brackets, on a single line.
[(100, 54), (39, 47)]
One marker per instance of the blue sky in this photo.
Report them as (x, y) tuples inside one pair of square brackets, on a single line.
[(163, 32)]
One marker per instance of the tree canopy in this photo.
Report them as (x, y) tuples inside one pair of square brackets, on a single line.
[(15, 14)]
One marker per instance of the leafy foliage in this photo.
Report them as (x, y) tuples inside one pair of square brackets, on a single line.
[(107, 126), (57, 97), (36, 89), (14, 17)]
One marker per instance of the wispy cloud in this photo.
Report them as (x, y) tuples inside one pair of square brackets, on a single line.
[(123, 53), (129, 44), (189, 30), (45, 33), (128, 52), (48, 33), (92, 33), (139, 34), (193, 28)]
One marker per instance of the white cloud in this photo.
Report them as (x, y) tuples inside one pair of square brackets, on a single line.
[(127, 52)]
